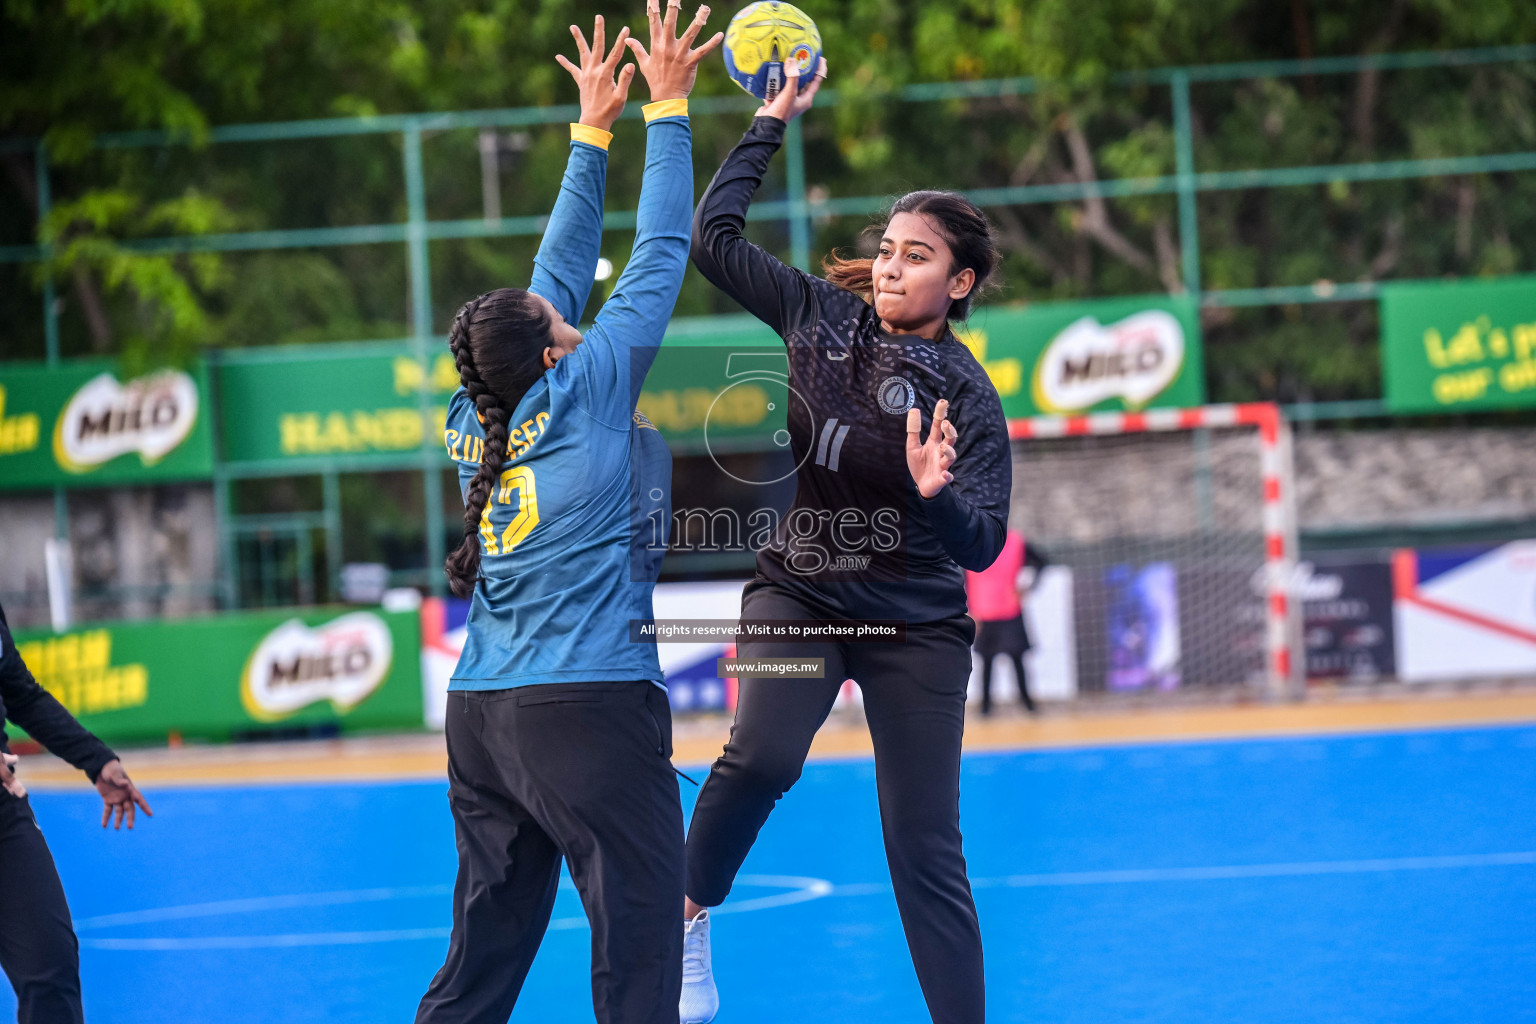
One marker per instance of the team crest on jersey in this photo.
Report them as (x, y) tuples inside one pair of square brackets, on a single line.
[(896, 395)]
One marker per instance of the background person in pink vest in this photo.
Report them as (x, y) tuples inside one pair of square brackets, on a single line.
[(995, 596)]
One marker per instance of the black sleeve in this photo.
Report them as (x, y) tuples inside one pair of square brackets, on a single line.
[(777, 294), (970, 515), (35, 710)]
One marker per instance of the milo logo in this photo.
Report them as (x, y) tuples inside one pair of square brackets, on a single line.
[(296, 665), (150, 415), (1133, 359)]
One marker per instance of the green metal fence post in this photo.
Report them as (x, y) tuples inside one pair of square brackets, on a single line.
[(1184, 150), (330, 492), (416, 237), (50, 322), (421, 321), (50, 301), (799, 209)]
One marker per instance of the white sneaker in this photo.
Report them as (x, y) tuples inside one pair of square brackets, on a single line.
[(700, 1001)]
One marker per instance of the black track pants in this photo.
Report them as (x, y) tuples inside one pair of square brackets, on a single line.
[(582, 772), (914, 700), (37, 941)]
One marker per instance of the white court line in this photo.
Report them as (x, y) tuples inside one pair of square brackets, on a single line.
[(799, 890), (1294, 869), (257, 904), (267, 941)]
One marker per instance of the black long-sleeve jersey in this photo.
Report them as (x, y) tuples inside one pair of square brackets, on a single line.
[(859, 540), (33, 708)]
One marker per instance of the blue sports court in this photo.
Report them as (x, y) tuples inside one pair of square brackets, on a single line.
[(1375, 877)]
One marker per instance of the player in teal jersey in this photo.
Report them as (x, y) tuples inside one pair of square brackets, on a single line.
[(559, 732)]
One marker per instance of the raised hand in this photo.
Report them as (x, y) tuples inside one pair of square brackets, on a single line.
[(790, 103), (118, 793), (670, 67), (929, 461), (602, 95)]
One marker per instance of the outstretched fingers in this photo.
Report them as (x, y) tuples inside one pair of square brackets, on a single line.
[(936, 431), (582, 50), (653, 15), (612, 60), (809, 95), (914, 430), (692, 32), (708, 47), (599, 37)]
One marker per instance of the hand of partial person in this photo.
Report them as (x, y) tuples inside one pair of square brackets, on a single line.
[(119, 794), (8, 777), (929, 460), (669, 66), (790, 103), (602, 94)]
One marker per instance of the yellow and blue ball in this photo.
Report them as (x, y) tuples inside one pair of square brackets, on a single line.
[(762, 38)]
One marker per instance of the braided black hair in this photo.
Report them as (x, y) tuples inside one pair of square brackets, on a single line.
[(497, 340)]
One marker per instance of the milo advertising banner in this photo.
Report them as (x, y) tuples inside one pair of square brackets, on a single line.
[(332, 400), (224, 675), (85, 424), (1112, 355), (1456, 345), (724, 381), (366, 399)]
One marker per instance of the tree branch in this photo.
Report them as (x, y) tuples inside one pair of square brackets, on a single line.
[(1014, 235), (1466, 206), (1391, 249), (1094, 221), (1370, 79), (1167, 257), (90, 304)]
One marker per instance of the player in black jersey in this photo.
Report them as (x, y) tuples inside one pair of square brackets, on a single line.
[(870, 355)]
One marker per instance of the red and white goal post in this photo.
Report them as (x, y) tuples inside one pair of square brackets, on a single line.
[(1179, 526)]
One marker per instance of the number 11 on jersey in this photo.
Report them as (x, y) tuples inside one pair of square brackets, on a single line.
[(520, 479)]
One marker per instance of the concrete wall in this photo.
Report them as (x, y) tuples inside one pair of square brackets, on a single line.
[(141, 552), (1415, 477)]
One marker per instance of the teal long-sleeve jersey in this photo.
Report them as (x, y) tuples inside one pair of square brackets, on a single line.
[(573, 535)]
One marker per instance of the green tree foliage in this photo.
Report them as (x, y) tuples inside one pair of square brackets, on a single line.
[(71, 70)]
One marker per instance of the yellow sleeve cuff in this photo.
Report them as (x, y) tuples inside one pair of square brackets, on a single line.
[(591, 136), (665, 108)]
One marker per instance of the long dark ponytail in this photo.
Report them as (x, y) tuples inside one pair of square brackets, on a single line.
[(963, 226), (497, 341)]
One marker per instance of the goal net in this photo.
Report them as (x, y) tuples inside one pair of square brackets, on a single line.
[(1171, 537)]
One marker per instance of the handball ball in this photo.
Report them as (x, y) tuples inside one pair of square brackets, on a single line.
[(762, 38)]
